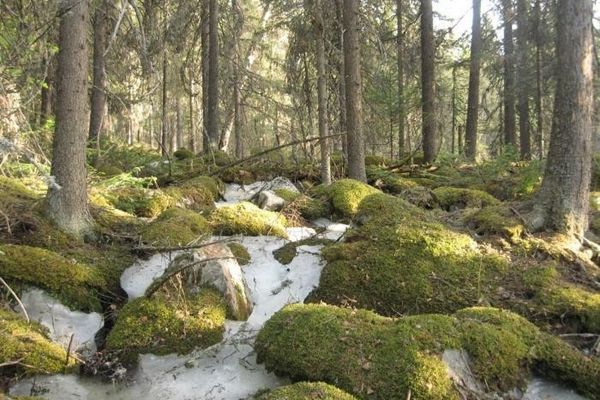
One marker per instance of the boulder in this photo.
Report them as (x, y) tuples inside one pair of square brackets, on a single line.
[(281, 183), (268, 200), (222, 272)]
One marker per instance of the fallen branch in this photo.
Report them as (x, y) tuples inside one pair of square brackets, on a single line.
[(181, 248), (262, 153), (11, 363), (12, 292)]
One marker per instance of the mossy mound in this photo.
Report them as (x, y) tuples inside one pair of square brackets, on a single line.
[(374, 357), (499, 220), (240, 252), (286, 254), (183, 154), (307, 207), (388, 181), (345, 195), (161, 326), (74, 284), (142, 202), (451, 198), (557, 300), (247, 219), (199, 193), (306, 390), (401, 261), (28, 344), (176, 226)]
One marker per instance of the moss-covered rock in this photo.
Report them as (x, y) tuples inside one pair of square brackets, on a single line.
[(499, 220), (306, 390), (289, 251), (401, 261), (374, 357), (345, 195), (199, 193), (309, 208), (161, 326), (388, 181), (183, 154), (74, 284), (451, 198), (29, 344), (240, 252), (176, 226), (247, 219), (148, 203)]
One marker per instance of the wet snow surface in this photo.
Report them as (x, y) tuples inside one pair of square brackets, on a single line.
[(226, 371)]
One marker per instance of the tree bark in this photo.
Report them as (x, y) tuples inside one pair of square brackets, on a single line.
[(179, 124), (539, 83), (98, 104), (523, 78), (400, 60), (319, 32), (564, 194), (67, 196), (205, 67), (47, 90), (342, 80), (428, 82), (473, 101), (510, 135), (354, 121), (212, 122), (164, 139), (454, 83)]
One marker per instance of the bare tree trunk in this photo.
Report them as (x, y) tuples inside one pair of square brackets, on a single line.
[(356, 147), (473, 106), (342, 80), (510, 135), (205, 67), (163, 133), (319, 32), (428, 82), (523, 78), (539, 84), (564, 196), (454, 83), (400, 57), (67, 195), (47, 90), (239, 150), (212, 122), (192, 121), (179, 124), (98, 105)]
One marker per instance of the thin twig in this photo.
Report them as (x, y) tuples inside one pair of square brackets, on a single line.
[(69, 350), (12, 292), (182, 248), (11, 363)]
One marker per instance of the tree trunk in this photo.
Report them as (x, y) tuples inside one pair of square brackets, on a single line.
[(356, 147), (239, 150), (319, 32), (539, 84), (47, 91), (564, 196), (212, 122), (164, 145), (473, 105), (454, 83), (342, 80), (191, 111), (98, 105), (510, 135), (523, 78), (205, 67), (400, 60), (67, 195), (428, 82), (179, 124)]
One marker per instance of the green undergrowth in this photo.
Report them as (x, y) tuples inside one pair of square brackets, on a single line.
[(75, 284), (168, 324), (29, 344), (305, 391), (247, 219), (240, 252), (176, 227), (400, 260), (374, 357), (451, 198)]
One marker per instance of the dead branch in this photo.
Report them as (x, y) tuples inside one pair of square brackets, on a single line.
[(12, 292)]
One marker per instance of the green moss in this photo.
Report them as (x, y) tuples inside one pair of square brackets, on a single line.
[(345, 195), (388, 181), (142, 202), (286, 254), (373, 357), (373, 160), (29, 343), (306, 390), (240, 252), (451, 198), (73, 283), (401, 261), (175, 226), (247, 219), (496, 220), (183, 154), (162, 326), (308, 207)]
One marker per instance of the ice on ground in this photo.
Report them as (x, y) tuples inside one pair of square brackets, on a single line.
[(137, 278), (61, 321), (334, 231), (541, 389), (234, 193)]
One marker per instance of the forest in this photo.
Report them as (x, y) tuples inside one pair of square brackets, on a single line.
[(309, 199)]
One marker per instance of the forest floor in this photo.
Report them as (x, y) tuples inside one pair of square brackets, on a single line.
[(425, 283)]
